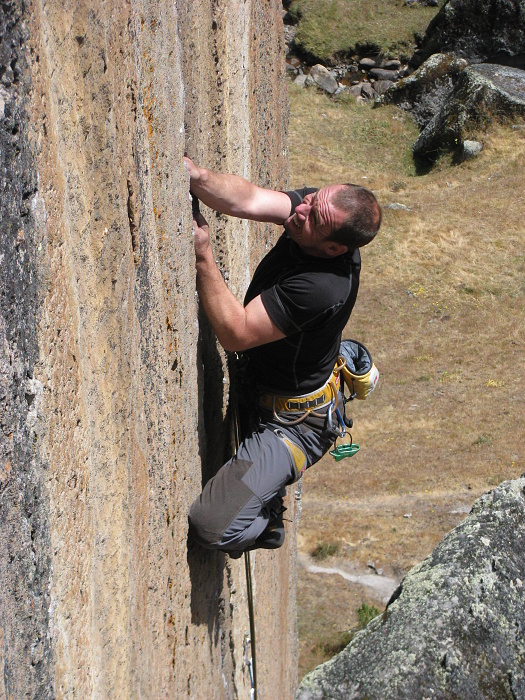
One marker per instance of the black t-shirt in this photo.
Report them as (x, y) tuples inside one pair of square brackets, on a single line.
[(308, 298)]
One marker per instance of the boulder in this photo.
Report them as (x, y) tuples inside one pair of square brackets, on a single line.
[(322, 77), (381, 86), (393, 64), (455, 628), (479, 30), (367, 63), (355, 90), (482, 93), (425, 91), (368, 91), (383, 74), (471, 149), (301, 80)]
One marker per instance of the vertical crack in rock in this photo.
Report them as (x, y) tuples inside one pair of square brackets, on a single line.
[(133, 218)]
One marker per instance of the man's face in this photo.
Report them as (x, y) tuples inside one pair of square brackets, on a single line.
[(313, 222)]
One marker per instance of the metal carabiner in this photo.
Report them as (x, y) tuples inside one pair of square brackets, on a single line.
[(341, 423), (329, 417)]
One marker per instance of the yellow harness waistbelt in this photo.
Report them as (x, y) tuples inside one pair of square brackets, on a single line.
[(308, 402)]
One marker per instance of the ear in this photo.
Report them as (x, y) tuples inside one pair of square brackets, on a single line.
[(333, 249)]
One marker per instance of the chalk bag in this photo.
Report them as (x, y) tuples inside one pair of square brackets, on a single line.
[(359, 373)]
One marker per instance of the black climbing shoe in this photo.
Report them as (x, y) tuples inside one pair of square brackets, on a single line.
[(272, 537), (269, 539), (234, 555)]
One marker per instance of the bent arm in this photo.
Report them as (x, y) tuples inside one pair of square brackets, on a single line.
[(235, 196), (237, 327)]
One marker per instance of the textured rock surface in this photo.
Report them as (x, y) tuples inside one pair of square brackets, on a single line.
[(481, 30), (456, 626), (113, 394), (482, 93), (425, 91)]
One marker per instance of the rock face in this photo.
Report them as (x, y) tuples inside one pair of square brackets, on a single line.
[(455, 628), (480, 30), (113, 394), (482, 93)]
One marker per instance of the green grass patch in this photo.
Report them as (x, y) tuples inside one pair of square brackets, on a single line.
[(483, 439), (366, 613), (325, 550), (330, 29), (341, 140)]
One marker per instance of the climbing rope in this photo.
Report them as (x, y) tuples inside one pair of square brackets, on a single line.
[(251, 662), (252, 665)]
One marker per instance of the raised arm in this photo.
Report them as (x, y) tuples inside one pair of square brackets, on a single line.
[(235, 196), (236, 327)]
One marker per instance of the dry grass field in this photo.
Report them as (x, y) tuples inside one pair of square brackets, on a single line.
[(441, 308)]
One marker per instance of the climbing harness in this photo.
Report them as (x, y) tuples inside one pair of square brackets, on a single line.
[(307, 404), (355, 369)]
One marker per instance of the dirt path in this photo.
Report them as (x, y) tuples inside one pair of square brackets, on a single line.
[(383, 586)]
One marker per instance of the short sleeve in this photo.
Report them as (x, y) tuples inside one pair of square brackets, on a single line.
[(297, 196), (305, 301)]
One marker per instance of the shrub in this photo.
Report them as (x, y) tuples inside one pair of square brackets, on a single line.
[(325, 550), (366, 613)]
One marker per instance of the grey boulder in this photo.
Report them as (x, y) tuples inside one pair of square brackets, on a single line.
[(482, 94), (471, 149), (425, 91), (383, 74), (480, 30), (455, 628), (321, 76)]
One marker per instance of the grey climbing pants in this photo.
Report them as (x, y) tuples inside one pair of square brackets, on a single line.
[(233, 508)]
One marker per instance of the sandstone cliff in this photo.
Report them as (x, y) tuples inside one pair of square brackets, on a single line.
[(113, 394)]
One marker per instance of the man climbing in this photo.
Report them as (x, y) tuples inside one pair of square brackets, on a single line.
[(289, 330)]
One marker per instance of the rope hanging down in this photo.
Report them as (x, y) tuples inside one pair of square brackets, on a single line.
[(251, 663)]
